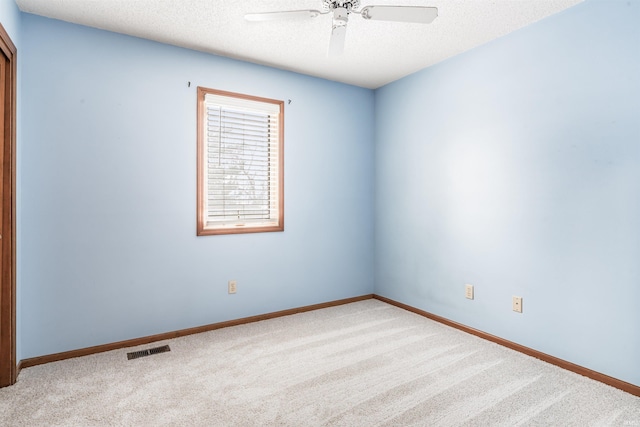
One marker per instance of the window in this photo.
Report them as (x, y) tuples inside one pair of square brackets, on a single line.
[(240, 163)]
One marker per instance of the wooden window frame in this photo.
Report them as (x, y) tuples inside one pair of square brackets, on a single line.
[(201, 218)]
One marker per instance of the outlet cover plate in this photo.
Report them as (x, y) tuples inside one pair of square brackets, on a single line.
[(517, 304), (232, 286)]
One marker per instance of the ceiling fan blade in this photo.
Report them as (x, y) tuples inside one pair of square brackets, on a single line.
[(419, 14), (290, 14), (336, 44), (338, 31)]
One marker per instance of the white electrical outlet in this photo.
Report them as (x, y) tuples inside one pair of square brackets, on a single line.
[(468, 291), (232, 286), (517, 304)]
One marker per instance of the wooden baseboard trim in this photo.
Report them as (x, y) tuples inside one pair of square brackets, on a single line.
[(613, 382), (26, 363)]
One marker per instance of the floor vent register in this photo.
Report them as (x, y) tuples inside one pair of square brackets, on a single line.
[(147, 352)]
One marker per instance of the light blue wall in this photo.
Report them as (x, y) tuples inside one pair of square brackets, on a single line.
[(109, 242), (516, 167), (10, 18)]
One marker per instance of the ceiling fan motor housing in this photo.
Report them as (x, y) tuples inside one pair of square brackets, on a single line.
[(340, 17), (340, 4)]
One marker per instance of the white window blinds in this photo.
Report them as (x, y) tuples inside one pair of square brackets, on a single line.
[(242, 143)]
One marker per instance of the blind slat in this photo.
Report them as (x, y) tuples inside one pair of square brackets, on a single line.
[(242, 159)]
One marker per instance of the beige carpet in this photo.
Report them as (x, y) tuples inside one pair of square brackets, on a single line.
[(362, 364)]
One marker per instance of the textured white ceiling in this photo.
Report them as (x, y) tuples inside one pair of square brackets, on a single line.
[(376, 52)]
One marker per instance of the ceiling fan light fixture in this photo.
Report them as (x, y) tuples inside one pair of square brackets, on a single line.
[(337, 4)]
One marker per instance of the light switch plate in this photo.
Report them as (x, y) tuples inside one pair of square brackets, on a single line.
[(468, 291)]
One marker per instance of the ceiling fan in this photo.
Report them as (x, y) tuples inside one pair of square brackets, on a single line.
[(341, 9)]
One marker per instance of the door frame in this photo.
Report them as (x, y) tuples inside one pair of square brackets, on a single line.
[(8, 362)]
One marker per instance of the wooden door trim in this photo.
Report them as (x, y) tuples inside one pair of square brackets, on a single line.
[(8, 367)]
